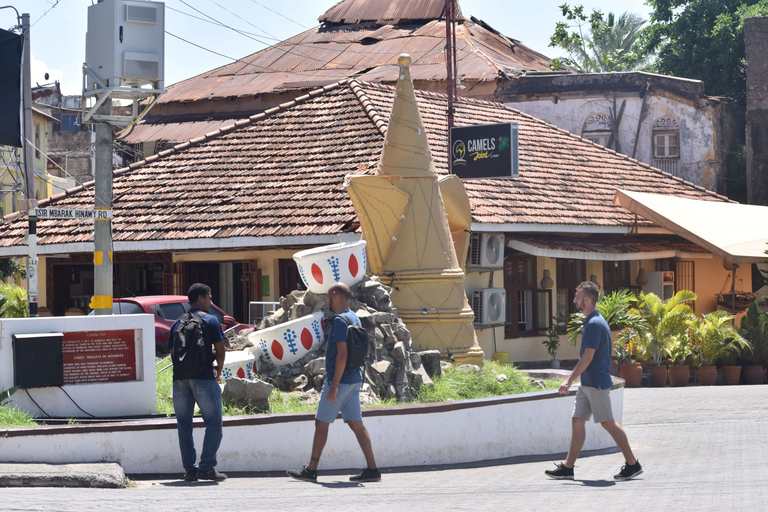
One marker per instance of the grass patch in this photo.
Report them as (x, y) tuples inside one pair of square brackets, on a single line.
[(12, 416), (494, 379)]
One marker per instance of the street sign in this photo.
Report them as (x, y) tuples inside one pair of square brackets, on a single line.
[(72, 213), (484, 151)]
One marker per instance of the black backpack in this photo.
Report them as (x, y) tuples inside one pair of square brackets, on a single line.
[(188, 346), (357, 345)]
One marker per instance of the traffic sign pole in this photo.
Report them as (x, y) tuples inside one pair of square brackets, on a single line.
[(101, 301)]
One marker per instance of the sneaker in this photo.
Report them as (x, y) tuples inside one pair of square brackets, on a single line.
[(629, 472), (561, 473), (191, 475), (368, 475), (211, 474), (305, 474)]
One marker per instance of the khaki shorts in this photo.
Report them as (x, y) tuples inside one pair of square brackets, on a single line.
[(593, 402)]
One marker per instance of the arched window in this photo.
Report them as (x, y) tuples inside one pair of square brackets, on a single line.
[(598, 128), (666, 144), (666, 138)]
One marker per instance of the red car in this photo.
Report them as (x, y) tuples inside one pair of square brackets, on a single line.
[(167, 309)]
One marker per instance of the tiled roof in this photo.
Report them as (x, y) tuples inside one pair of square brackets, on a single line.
[(610, 244), (392, 11), (280, 174)]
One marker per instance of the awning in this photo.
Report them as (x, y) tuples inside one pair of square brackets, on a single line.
[(608, 247), (736, 232)]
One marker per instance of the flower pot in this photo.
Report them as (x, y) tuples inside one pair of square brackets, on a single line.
[(706, 375), (659, 376), (632, 373), (290, 341), (555, 364), (754, 374), (324, 266), (679, 376), (731, 375)]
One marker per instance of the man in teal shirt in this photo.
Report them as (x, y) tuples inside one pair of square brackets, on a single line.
[(593, 398)]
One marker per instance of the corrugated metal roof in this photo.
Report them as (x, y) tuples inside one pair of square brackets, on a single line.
[(384, 12), (337, 54)]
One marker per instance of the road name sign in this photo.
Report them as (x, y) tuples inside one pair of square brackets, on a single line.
[(72, 213)]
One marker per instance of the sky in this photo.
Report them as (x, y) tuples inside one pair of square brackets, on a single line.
[(59, 26)]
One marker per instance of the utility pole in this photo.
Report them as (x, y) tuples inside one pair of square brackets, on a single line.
[(29, 167), (451, 67), (101, 301)]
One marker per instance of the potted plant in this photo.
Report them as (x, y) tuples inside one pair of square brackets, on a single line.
[(679, 349), (754, 328), (553, 339), (629, 370), (612, 306), (661, 321), (712, 338)]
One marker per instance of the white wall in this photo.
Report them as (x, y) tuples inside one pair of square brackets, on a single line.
[(699, 161), (104, 399), (420, 434)]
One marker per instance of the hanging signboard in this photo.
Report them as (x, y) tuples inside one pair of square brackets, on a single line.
[(485, 151)]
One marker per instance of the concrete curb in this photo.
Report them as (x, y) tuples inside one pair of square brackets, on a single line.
[(102, 474)]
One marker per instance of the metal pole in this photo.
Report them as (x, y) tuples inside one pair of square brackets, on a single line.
[(29, 168), (449, 59), (102, 228)]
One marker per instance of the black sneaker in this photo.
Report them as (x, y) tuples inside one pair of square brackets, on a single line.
[(368, 475), (629, 472), (191, 475), (211, 474), (304, 474), (561, 473)]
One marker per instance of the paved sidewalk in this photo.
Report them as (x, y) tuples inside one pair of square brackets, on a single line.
[(702, 449), (23, 474)]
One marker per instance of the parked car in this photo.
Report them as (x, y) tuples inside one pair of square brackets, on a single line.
[(166, 309)]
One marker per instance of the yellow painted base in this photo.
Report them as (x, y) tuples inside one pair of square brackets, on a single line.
[(501, 357), (466, 355)]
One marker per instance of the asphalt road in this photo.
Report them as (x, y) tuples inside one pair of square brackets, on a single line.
[(701, 448)]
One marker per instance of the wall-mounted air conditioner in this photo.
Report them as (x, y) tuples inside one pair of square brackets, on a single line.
[(486, 250), (490, 306)]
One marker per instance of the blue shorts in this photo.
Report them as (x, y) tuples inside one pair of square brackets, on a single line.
[(348, 402)]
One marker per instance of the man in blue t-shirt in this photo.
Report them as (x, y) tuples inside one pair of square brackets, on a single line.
[(592, 397), (203, 390), (341, 393)]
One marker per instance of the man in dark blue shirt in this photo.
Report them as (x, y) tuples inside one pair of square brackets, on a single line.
[(341, 393), (592, 398), (203, 390)]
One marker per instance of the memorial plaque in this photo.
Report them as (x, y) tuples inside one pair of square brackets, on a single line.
[(99, 356)]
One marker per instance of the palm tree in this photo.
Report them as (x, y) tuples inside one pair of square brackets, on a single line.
[(713, 336), (613, 44), (661, 321)]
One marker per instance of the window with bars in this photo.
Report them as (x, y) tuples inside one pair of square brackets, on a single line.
[(570, 273), (522, 299), (616, 276)]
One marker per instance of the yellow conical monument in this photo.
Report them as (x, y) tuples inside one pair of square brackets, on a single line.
[(416, 225)]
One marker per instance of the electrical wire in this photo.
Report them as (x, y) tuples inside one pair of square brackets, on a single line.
[(76, 405), (36, 404)]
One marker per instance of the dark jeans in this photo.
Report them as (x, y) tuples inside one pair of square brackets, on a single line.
[(207, 394)]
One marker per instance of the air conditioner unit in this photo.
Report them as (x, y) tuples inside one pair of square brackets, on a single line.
[(490, 306), (486, 250), (125, 42)]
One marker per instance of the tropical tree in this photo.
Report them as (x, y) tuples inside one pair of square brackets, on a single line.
[(13, 301), (10, 268), (660, 321), (703, 39), (611, 44)]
